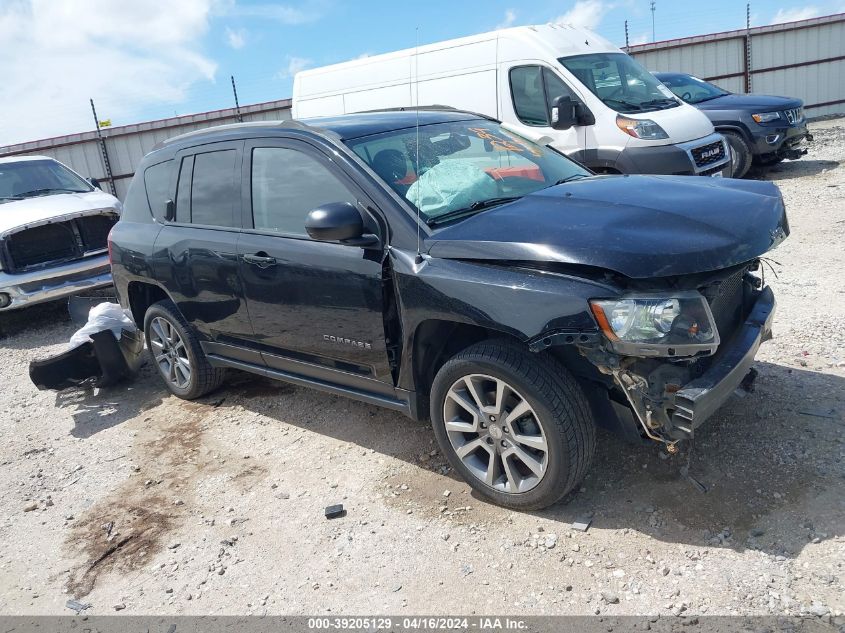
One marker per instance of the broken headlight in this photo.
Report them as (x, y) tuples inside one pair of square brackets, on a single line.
[(676, 324)]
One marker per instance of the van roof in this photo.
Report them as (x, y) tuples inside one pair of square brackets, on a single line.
[(556, 40)]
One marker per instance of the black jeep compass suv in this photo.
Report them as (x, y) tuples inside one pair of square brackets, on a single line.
[(436, 263)]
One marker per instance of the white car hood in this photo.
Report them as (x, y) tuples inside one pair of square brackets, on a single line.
[(16, 214)]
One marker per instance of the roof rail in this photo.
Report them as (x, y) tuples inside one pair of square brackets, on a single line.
[(229, 126)]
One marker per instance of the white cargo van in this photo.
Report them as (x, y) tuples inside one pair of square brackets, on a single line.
[(590, 99)]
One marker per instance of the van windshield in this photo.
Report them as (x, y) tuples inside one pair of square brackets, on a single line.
[(620, 82), (462, 167)]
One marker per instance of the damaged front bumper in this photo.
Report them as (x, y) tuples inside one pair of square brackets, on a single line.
[(54, 282), (670, 404)]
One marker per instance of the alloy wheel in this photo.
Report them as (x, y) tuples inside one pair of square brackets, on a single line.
[(495, 433), (170, 353)]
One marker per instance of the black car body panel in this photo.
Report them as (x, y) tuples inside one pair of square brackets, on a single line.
[(638, 226), (374, 321), (781, 138)]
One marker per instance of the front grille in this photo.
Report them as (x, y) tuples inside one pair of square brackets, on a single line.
[(57, 242), (94, 231), (725, 298), (711, 170), (794, 115), (708, 154)]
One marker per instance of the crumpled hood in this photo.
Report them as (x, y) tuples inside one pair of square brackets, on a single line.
[(638, 226), (18, 213)]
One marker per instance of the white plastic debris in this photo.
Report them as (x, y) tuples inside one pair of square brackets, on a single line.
[(102, 317)]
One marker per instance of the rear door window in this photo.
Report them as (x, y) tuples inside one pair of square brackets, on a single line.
[(214, 189)]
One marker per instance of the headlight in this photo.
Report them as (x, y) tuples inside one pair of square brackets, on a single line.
[(677, 324), (766, 117), (641, 128)]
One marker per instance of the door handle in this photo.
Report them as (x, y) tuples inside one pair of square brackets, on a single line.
[(260, 259)]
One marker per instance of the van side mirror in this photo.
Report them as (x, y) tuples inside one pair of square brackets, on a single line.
[(564, 112), (94, 182), (338, 222)]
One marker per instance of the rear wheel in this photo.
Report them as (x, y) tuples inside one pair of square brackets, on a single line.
[(514, 424), (176, 353), (740, 154)]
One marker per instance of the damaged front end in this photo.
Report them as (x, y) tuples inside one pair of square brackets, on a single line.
[(678, 354)]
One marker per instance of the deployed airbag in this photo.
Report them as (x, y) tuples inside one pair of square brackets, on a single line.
[(450, 185)]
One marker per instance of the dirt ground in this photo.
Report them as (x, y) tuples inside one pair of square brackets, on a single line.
[(132, 500)]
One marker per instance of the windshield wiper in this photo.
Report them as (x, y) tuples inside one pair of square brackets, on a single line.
[(625, 104), (41, 192), (569, 179), (475, 207), (710, 97), (659, 102)]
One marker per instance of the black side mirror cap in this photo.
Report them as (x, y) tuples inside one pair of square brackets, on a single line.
[(564, 112), (338, 222), (94, 182)]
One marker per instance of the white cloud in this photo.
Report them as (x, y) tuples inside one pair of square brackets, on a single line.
[(236, 38), (509, 19), (286, 14), (795, 14), (642, 38), (294, 65), (585, 13), (363, 56), (56, 54)]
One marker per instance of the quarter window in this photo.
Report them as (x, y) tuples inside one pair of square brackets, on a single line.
[(286, 185), (157, 181)]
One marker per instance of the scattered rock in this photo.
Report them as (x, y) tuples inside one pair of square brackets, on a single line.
[(609, 597), (29, 507)]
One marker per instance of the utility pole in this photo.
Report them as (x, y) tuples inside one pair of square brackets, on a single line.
[(237, 105), (653, 38), (103, 150), (626, 36), (748, 47)]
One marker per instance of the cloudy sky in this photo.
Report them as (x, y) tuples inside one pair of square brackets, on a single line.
[(146, 59)]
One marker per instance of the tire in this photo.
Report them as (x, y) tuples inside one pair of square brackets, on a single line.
[(740, 154), (180, 361), (558, 417), (768, 160)]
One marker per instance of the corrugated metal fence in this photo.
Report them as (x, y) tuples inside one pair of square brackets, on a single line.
[(803, 59), (126, 145)]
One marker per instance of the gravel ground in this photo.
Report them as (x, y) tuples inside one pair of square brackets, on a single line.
[(132, 500)]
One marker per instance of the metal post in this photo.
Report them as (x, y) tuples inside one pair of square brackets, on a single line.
[(626, 36), (747, 74), (653, 38), (237, 105), (103, 150)]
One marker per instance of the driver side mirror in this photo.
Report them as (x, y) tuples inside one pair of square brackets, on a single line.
[(338, 222), (94, 183), (564, 112)]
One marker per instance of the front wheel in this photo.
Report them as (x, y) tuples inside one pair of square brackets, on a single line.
[(740, 154), (514, 424)]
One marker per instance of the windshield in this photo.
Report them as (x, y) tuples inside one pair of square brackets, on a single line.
[(692, 89), (620, 82), (29, 178), (464, 166)]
